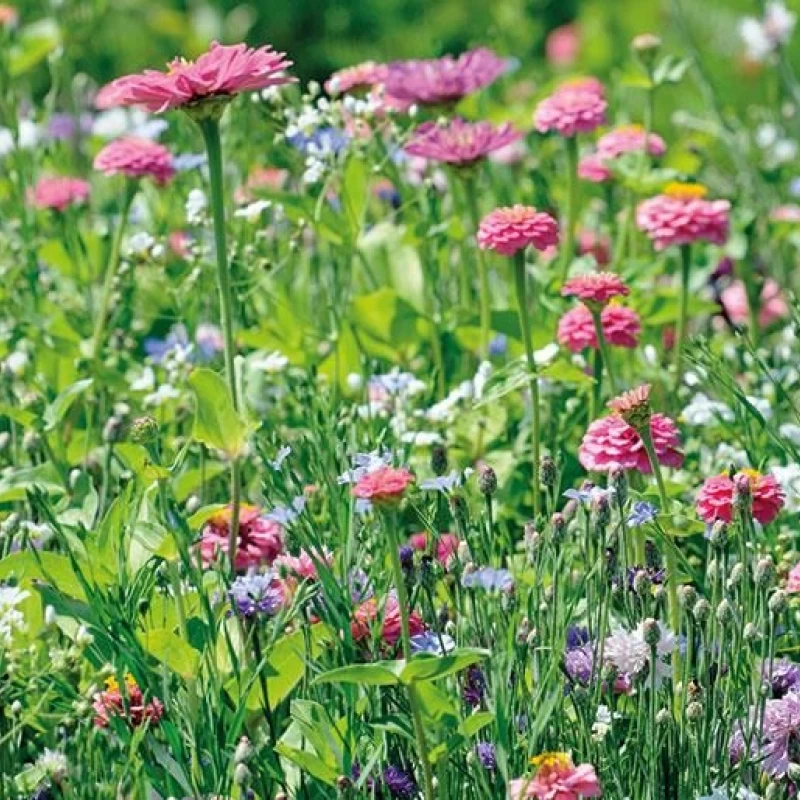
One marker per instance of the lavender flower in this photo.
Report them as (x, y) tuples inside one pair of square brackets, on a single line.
[(400, 783), (486, 755), (441, 483), (286, 515), (784, 677), (474, 688), (579, 663), (490, 579), (642, 513), (439, 644), (360, 586), (257, 593)]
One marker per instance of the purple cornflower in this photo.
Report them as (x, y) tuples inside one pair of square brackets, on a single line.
[(578, 663), (486, 755), (257, 593), (400, 783), (577, 636), (62, 126), (642, 513), (474, 687), (498, 345), (325, 140), (407, 557), (490, 579), (784, 677)]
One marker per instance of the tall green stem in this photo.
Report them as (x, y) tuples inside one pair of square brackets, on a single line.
[(604, 351), (405, 642), (571, 211), (111, 270), (483, 271), (520, 283), (210, 129), (683, 312)]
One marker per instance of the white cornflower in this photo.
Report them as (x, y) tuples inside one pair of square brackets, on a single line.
[(53, 764), (11, 618), (140, 243), (761, 37), (162, 395), (789, 478)]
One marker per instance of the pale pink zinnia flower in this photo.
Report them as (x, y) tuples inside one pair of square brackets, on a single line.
[(682, 215), (260, 539), (595, 244), (303, 565), (629, 139), (384, 486), (793, 582), (594, 169), (458, 142), (136, 158), (611, 442), (715, 498), (557, 778), (595, 287), (621, 328), (773, 304), (442, 81), (362, 76), (508, 230), (59, 193), (446, 547), (9, 16), (572, 109), (223, 71), (785, 213), (562, 45)]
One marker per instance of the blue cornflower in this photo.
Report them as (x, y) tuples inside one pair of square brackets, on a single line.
[(441, 483), (322, 141), (176, 340), (281, 456), (360, 586), (286, 515), (498, 345), (183, 162), (256, 593), (642, 513), (490, 579), (440, 644), (400, 783)]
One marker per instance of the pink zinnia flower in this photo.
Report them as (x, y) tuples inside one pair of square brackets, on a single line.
[(365, 615), (136, 158), (459, 142), (508, 230), (773, 304), (611, 442), (132, 707), (593, 168), (682, 215), (446, 547), (572, 109), (629, 139), (360, 76), (442, 81), (557, 778), (594, 244), (793, 582), (303, 565), (223, 71), (595, 287), (621, 328), (634, 401), (562, 45), (715, 498), (786, 213), (383, 486), (260, 539), (58, 193)]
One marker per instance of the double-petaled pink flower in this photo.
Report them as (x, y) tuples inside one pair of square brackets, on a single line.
[(575, 107), (136, 158), (446, 547), (359, 77), (595, 288), (223, 71), (458, 142), (59, 193), (557, 778), (366, 615), (384, 486), (508, 230), (621, 328), (260, 540), (611, 442), (593, 168), (715, 498), (443, 81), (629, 139), (682, 215)]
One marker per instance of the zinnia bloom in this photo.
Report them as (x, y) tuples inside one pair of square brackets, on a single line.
[(595, 287), (682, 215), (443, 81), (793, 582), (365, 615), (446, 547), (621, 328), (132, 708), (136, 158), (715, 498), (611, 442), (593, 168), (562, 45), (593, 244), (557, 778), (59, 193), (509, 230), (260, 539), (632, 405), (360, 76), (383, 486), (572, 109), (223, 71), (458, 142), (629, 139), (773, 304)]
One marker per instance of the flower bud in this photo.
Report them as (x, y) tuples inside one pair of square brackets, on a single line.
[(143, 430), (694, 711), (642, 582), (652, 632), (765, 573), (31, 442), (601, 511), (559, 525), (725, 612), (548, 472), (618, 481), (687, 596), (112, 430), (736, 576), (646, 42), (241, 775), (751, 632), (487, 481), (702, 610), (243, 752), (777, 602), (439, 459), (663, 716), (718, 535)]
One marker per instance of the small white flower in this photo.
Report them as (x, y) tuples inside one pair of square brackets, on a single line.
[(789, 478), (53, 764), (253, 211), (17, 362), (162, 395), (703, 411), (354, 382), (269, 362), (140, 243), (145, 381), (11, 618), (196, 204), (544, 356), (762, 37), (28, 137)]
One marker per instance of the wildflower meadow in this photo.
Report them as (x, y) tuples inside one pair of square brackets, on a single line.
[(426, 429)]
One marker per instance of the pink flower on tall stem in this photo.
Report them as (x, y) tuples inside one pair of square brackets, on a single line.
[(793, 581), (509, 230), (715, 498), (562, 45), (384, 486), (259, 542), (458, 142), (572, 109), (621, 328), (362, 77), (629, 139), (136, 158), (59, 193), (557, 778), (443, 81), (611, 442), (682, 216), (595, 287)]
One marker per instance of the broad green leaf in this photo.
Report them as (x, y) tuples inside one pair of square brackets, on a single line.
[(15, 485), (426, 667), (52, 568), (34, 43), (216, 422), (58, 409), (138, 461), (564, 372), (354, 192), (171, 649), (379, 673), (470, 726)]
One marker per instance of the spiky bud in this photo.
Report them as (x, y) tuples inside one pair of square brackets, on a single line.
[(652, 632), (548, 472), (143, 430), (439, 459), (487, 481)]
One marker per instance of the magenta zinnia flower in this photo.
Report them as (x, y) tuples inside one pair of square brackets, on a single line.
[(260, 539), (611, 442), (629, 139), (508, 230), (715, 498), (621, 328), (682, 215), (362, 76), (223, 71), (59, 193), (136, 158), (442, 81), (595, 287), (574, 108), (458, 142)]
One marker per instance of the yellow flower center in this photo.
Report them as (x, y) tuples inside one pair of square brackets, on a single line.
[(112, 684), (685, 190), (551, 761)]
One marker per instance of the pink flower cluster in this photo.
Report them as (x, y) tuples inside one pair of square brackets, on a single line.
[(682, 215), (223, 71), (575, 107), (442, 81), (594, 167), (773, 304), (132, 707), (260, 540), (557, 778), (136, 158), (446, 547), (621, 328), (367, 613), (59, 193), (715, 498), (508, 230), (611, 442), (458, 142), (595, 287)]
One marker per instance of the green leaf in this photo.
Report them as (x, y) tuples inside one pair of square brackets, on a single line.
[(426, 667), (15, 485), (137, 460), (34, 43), (564, 372), (52, 568), (354, 193), (58, 409), (476, 722), (216, 422), (172, 650), (379, 673)]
